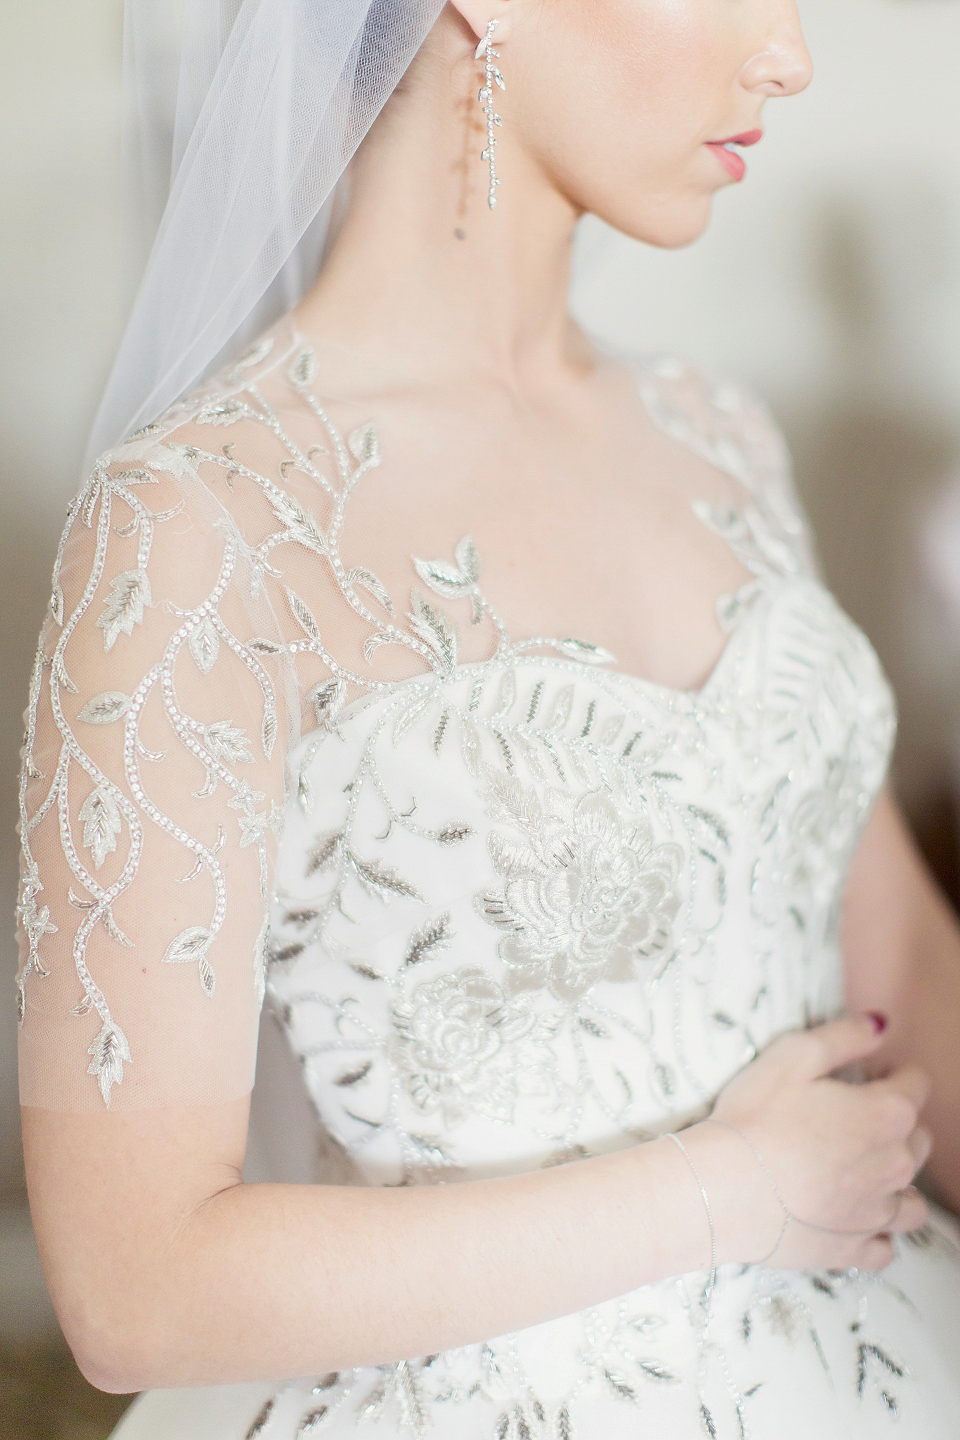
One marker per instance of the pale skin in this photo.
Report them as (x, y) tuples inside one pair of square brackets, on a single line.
[(166, 1269)]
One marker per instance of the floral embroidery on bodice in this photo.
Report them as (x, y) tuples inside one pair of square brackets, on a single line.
[(511, 911)]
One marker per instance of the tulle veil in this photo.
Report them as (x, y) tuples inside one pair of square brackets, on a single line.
[(240, 118)]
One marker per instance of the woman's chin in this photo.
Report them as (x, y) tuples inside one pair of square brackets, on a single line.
[(670, 228)]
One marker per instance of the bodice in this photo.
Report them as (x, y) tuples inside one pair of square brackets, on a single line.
[(533, 908)]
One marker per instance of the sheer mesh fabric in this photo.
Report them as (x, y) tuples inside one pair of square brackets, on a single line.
[(152, 797), (234, 576), (240, 142)]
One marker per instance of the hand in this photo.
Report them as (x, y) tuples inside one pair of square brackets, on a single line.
[(843, 1156)]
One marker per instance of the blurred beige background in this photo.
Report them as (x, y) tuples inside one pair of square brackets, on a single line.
[(830, 281)]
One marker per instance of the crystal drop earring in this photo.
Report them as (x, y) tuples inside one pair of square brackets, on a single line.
[(491, 78)]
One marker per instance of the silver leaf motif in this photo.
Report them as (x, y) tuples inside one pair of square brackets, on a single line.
[(470, 746), (222, 412), (260, 1421), (610, 729), (409, 715), (369, 581), (130, 593), (424, 943), (268, 730), (255, 354), (445, 579), (324, 852), (560, 710), (105, 709), (304, 615), (468, 559), (227, 743), (109, 1051), (300, 524), (102, 823), (204, 645), (311, 1423), (620, 1386), (507, 697), (437, 633), (582, 650), (708, 1423), (373, 642), (189, 947), (304, 368), (327, 700), (364, 445), (59, 670), (383, 881), (260, 946)]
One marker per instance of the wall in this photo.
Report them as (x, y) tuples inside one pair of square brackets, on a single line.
[(60, 256)]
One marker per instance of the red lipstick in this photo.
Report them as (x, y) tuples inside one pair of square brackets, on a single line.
[(734, 164)]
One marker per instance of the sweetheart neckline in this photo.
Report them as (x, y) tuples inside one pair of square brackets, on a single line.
[(763, 605)]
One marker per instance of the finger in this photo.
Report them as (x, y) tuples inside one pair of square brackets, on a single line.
[(913, 1211), (909, 1081), (920, 1144), (829, 1047), (876, 1253), (895, 1167)]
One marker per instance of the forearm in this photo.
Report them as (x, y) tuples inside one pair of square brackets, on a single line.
[(267, 1281), (336, 1277)]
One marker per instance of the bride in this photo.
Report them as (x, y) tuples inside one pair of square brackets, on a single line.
[(471, 693)]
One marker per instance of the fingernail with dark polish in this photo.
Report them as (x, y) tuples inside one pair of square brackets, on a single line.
[(878, 1021)]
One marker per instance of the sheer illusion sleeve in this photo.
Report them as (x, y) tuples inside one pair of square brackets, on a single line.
[(733, 430), (151, 798)]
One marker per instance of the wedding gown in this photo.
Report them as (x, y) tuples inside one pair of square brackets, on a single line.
[(522, 909)]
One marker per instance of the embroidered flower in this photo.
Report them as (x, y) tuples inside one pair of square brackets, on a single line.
[(587, 891), (462, 1047)]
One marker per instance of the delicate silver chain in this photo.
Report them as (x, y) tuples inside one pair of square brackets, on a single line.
[(787, 1212), (706, 1203)]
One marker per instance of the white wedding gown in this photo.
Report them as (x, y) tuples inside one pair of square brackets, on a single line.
[(524, 909)]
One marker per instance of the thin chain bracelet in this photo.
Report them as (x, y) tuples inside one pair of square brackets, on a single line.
[(787, 1212), (706, 1204)]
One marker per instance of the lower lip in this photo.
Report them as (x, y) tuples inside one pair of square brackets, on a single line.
[(734, 164)]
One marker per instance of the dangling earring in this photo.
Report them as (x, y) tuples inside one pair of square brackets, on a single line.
[(491, 77)]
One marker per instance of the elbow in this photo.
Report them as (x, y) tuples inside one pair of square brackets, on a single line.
[(112, 1351), (105, 1360)]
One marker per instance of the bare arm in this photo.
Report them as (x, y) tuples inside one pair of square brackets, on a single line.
[(902, 950), (167, 1270)]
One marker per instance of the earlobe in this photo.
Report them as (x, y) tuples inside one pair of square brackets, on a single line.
[(479, 13)]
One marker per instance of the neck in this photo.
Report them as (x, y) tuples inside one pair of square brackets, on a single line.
[(422, 267)]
